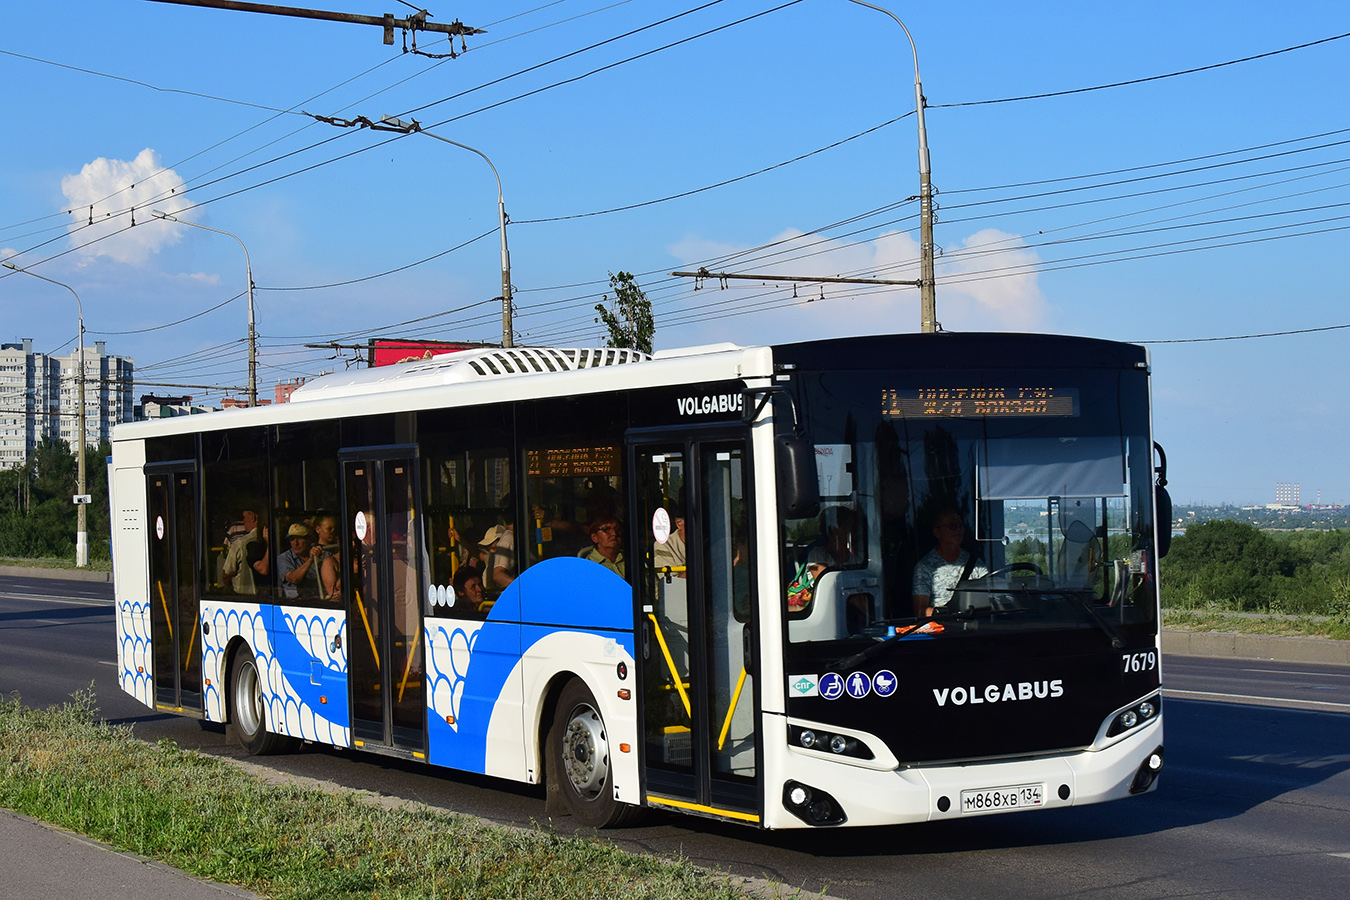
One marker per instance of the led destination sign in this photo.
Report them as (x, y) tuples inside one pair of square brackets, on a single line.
[(573, 462), (976, 402)]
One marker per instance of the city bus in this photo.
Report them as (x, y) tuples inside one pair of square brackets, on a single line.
[(685, 581)]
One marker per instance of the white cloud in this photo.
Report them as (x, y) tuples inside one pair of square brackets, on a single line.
[(106, 191), (990, 283)]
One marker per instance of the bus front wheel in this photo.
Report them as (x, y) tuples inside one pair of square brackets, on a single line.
[(579, 758), (248, 712)]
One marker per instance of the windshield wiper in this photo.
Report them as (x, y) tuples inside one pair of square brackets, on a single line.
[(1107, 628)]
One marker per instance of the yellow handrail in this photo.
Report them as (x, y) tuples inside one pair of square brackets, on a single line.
[(408, 668), (735, 699), (167, 619), (192, 642), (670, 663), (361, 606)]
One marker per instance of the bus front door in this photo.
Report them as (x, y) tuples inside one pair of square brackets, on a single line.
[(383, 597), (172, 504), (700, 749)]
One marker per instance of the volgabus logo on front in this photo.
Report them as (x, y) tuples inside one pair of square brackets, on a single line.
[(994, 693)]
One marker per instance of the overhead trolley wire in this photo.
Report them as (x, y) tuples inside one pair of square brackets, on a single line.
[(1145, 80)]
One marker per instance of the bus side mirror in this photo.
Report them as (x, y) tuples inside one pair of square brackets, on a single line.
[(798, 482), (1162, 504), (1162, 501)]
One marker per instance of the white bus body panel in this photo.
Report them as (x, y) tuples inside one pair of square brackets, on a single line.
[(131, 582)]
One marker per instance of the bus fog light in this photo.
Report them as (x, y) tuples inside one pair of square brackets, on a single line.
[(1155, 762), (838, 743), (798, 796), (808, 738)]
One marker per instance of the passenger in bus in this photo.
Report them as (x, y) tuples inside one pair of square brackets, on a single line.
[(299, 565), (803, 588), (469, 595), (939, 571), (499, 546), (330, 581), (245, 554), (465, 554), (607, 538)]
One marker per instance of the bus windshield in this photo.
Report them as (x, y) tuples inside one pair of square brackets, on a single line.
[(974, 504)]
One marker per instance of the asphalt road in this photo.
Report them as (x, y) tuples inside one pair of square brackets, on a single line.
[(1254, 802)]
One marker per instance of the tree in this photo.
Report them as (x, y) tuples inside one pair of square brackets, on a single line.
[(629, 315)]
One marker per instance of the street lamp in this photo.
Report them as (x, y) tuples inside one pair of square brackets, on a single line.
[(252, 331), (927, 285), (391, 123), (81, 498)]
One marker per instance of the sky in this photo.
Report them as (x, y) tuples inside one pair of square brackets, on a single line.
[(1171, 174)]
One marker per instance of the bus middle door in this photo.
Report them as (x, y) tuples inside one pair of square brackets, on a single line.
[(700, 715), (382, 563)]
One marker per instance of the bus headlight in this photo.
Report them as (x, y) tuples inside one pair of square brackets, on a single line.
[(819, 741), (1139, 713)]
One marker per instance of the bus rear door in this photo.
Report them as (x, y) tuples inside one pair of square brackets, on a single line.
[(172, 505)]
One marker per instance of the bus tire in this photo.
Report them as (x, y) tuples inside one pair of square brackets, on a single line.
[(248, 712), (579, 760)]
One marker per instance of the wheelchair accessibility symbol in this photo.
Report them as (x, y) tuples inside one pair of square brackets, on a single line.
[(831, 686)]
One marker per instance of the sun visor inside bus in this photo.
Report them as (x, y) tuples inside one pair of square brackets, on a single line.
[(1023, 468)]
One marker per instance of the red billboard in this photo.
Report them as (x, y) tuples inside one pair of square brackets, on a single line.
[(387, 353)]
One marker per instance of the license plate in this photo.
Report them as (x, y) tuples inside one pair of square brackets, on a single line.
[(1018, 796)]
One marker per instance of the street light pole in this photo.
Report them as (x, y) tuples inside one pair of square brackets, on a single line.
[(252, 329), (81, 506), (927, 287), (390, 123)]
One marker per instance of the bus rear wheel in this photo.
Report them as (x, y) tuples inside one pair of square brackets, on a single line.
[(248, 712), (579, 758)]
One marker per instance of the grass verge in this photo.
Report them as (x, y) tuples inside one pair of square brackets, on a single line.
[(1229, 623), (204, 816)]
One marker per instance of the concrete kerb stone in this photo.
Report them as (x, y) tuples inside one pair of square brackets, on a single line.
[(1256, 647), (91, 575)]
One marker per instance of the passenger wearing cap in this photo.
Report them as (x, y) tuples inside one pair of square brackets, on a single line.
[(499, 545), (299, 566)]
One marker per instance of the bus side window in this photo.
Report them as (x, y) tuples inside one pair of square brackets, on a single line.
[(238, 514), (574, 489), (468, 508)]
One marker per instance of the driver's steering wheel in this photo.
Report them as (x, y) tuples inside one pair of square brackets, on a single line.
[(1017, 567)]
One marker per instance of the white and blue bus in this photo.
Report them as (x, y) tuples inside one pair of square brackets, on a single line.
[(687, 581)]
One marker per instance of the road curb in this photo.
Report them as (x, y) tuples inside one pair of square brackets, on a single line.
[(62, 574), (1255, 646)]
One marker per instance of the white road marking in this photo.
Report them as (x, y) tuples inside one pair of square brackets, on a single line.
[(1304, 674), (34, 599), (1319, 705)]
